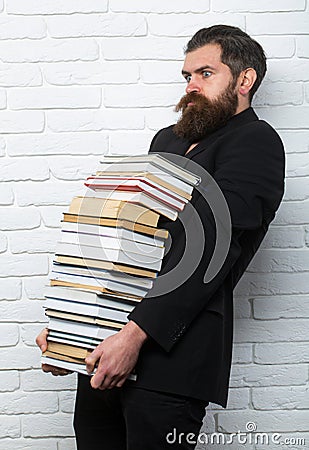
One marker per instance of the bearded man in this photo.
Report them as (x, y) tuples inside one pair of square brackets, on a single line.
[(181, 342)]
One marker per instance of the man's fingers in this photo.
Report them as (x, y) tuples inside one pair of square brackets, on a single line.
[(92, 359), (55, 370), (41, 339)]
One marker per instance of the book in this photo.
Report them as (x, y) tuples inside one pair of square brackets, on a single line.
[(119, 223), (67, 350), (114, 209), (74, 339), (137, 185), (127, 245), (108, 254), (78, 328), (145, 283), (113, 231), (85, 319), (105, 265), (153, 160), (101, 312), (140, 198)]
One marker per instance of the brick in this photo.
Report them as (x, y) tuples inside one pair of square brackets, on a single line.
[(295, 141), (34, 286), (90, 73), (55, 6), (29, 332), (307, 91), (47, 425), (298, 70), (281, 353), (19, 218), (67, 444), (254, 6), (3, 243), (302, 43), (20, 358), (51, 215), (157, 118), (121, 143), (77, 168), (162, 72), (284, 237), (186, 25), (10, 289), (298, 166), (242, 353), (293, 213), (22, 28), (21, 122), (9, 381), (143, 48), (285, 116), (279, 93), (248, 330), (277, 260), (10, 427), (6, 195), (23, 265), (2, 98), (296, 188), (66, 401), (12, 76), (35, 241), (142, 96), (23, 169), (278, 23), (60, 97), (82, 25), (58, 144), (50, 50), (238, 399), (52, 193), (2, 147), (242, 308), (272, 284), (159, 6), (21, 311), (277, 46), (268, 375), (104, 119), (9, 333), (282, 421), (287, 307), (28, 403), (29, 444), (289, 397), (37, 380)]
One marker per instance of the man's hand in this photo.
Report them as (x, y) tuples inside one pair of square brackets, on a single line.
[(41, 341), (117, 357)]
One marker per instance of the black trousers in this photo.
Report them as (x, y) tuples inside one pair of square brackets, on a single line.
[(130, 418)]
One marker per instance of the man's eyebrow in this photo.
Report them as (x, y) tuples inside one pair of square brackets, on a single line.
[(200, 69)]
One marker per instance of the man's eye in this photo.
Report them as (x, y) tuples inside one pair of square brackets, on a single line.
[(188, 78), (206, 73)]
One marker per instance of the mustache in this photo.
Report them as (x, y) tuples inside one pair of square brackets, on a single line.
[(192, 97)]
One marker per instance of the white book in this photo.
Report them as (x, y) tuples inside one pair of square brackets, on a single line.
[(144, 283), (115, 232), (107, 254), (99, 283), (101, 312), (83, 340), (82, 329), (156, 160), (74, 367), (135, 185), (80, 344), (141, 198), (125, 245)]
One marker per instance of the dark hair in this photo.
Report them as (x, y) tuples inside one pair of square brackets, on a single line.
[(239, 50)]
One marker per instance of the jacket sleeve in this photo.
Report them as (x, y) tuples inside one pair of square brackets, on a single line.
[(250, 172)]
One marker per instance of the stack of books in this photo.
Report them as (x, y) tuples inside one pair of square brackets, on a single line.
[(110, 252)]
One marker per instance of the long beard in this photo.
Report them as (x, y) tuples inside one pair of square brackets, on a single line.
[(205, 116)]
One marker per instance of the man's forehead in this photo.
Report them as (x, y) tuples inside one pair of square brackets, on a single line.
[(208, 55)]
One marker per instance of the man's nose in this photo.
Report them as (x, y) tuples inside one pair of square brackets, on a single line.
[(193, 86)]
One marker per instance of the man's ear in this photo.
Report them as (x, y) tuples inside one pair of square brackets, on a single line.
[(246, 80)]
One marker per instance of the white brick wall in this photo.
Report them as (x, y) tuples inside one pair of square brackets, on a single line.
[(82, 78)]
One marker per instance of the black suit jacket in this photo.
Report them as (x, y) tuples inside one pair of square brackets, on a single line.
[(191, 328)]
